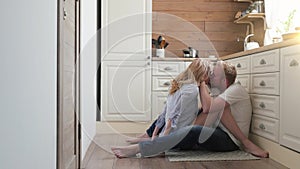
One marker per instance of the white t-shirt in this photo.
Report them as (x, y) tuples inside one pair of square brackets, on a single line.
[(241, 108)]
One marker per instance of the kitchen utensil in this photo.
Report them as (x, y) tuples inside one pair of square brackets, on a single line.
[(193, 52), (190, 53), (166, 45), (162, 43), (159, 39), (155, 43)]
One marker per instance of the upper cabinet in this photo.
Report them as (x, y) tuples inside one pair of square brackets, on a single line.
[(126, 29)]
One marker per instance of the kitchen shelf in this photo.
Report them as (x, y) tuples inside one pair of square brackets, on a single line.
[(250, 18), (243, 1)]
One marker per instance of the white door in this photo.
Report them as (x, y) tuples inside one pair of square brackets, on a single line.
[(126, 91), (126, 60), (289, 97)]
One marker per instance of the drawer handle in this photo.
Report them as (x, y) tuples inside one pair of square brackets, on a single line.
[(238, 65), (167, 68), (262, 126), (294, 63), (165, 102), (167, 84), (262, 105), (263, 62), (262, 83)]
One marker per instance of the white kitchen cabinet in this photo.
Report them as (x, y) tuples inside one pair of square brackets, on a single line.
[(289, 97), (159, 99), (259, 74), (162, 74), (126, 94), (126, 60), (242, 65), (126, 30)]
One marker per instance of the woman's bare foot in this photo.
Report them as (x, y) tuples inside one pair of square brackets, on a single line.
[(137, 140), (254, 149), (126, 151), (144, 135)]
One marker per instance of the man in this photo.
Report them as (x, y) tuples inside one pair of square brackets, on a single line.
[(232, 108)]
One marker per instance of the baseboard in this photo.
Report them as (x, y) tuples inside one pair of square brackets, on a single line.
[(283, 155), (121, 127)]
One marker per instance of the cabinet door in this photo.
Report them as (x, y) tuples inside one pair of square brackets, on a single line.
[(159, 100), (126, 29), (242, 64), (244, 80), (289, 97), (126, 93)]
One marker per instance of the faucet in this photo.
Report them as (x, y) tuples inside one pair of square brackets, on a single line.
[(246, 40)]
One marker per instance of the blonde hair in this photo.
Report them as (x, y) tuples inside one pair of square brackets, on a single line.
[(229, 71), (195, 73)]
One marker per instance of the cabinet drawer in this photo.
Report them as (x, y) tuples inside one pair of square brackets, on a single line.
[(161, 82), (265, 62), (267, 83), (159, 99), (265, 127), (167, 68), (241, 64), (244, 80), (265, 105)]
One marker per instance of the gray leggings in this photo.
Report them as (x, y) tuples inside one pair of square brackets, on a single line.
[(187, 138)]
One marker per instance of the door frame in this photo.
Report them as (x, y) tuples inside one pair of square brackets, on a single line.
[(60, 54)]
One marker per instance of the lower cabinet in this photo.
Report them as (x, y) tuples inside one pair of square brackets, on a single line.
[(162, 74), (126, 91), (274, 87), (290, 97)]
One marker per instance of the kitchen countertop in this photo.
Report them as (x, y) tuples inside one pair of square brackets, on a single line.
[(278, 45), (172, 59)]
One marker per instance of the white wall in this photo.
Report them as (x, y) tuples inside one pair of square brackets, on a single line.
[(88, 72), (28, 84)]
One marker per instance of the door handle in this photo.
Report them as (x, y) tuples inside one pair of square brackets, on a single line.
[(65, 14), (167, 68), (262, 83), (262, 105), (294, 63), (262, 62)]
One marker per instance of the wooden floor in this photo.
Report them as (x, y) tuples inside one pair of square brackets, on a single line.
[(99, 156)]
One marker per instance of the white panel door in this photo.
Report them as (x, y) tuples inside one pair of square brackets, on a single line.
[(126, 94), (290, 97)]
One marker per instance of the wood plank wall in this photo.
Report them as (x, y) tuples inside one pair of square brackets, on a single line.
[(206, 25)]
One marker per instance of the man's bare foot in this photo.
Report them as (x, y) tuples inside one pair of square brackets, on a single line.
[(126, 151), (254, 149), (137, 140)]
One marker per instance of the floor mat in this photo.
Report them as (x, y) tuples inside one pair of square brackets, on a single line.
[(209, 156)]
